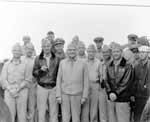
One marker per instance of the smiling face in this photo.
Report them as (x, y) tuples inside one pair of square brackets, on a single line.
[(29, 50), (117, 54), (46, 46), (72, 51), (59, 47), (17, 52), (106, 54), (99, 45), (91, 53), (81, 50)]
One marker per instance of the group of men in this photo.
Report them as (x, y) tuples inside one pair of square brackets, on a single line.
[(100, 83)]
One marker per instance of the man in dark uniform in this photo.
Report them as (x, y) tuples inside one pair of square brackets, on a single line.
[(118, 85), (59, 48), (142, 82)]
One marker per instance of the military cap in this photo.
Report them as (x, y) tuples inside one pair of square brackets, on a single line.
[(59, 41), (132, 37), (50, 32), (144, 49), (143, 41), (98, 39)]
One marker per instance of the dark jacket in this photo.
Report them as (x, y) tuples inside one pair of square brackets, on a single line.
[(142, 80), (46, 79), (120, 82)]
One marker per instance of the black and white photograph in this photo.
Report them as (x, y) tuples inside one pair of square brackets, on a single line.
[(74, 61)]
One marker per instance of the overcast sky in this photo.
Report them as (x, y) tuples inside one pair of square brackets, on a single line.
[(34, 19)]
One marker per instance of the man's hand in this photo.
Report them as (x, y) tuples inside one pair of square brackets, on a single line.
[(58, 99), (8, 87), (44, 68), (132, 98), (112, 96), (83, 100), (14, 92)]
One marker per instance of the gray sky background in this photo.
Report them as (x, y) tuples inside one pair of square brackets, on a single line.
[(34, 19)]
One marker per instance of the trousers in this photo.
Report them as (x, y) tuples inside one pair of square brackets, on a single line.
[(45, 96), (17, 106)]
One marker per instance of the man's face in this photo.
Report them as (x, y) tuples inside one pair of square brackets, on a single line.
[(51, 36), (81, 50), (26, 40), (106, 54), (59, 47), (29, 51), (116, 53), (99, 45), (72, 52), (91, 53), (75, 40), (131, 41), (136, 55), (143, 55), (46, 47), (17, 52)]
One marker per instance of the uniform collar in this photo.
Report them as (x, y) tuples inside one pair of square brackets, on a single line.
[(73, 60), (16, 63), (47, 56), (91, 60)]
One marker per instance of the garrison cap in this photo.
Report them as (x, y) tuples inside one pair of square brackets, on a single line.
[(50, 32), (132, 37), (98, 39), (143, 41), (144, 49), (59, 41)]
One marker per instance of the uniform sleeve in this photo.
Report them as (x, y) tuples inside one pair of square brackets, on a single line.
[(4, 76), (86, 81), (107, 79), (59, 81)]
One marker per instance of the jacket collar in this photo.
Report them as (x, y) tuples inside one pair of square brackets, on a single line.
[(122, 62), (41, 56)]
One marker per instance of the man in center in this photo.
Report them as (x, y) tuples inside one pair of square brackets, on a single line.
[(72, 85)]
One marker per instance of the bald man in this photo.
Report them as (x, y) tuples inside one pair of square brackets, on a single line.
[(72, 85), (14, 82)]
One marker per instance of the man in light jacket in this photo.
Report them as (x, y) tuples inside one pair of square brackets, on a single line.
[(72, 85)]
